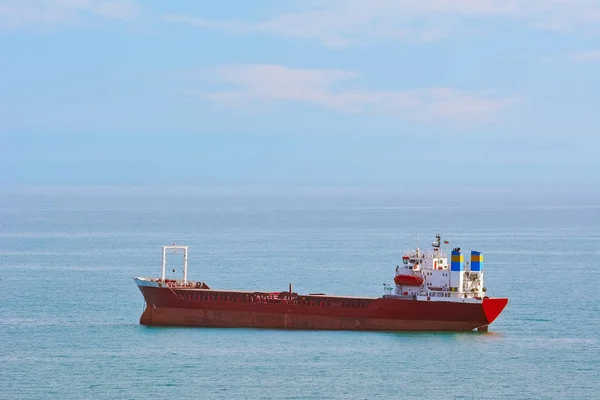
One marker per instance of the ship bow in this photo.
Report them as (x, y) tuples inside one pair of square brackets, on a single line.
[(493, 307)]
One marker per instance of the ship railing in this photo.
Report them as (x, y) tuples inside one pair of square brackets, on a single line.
[(447, 293), (176, 283), (438, 293)]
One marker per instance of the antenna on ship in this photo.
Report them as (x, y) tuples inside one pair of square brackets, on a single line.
[(445, 241), (437, 242), (436, 245)]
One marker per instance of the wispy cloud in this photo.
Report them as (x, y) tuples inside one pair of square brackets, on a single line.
[(585, 55), (15, 14), (253, 85), (343, 22)]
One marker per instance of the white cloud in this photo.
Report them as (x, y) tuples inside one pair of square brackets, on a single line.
[(342, 22), (259, 84), (585, 55), (16, 14)]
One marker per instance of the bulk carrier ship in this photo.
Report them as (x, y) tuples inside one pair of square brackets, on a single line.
[(429, 294)]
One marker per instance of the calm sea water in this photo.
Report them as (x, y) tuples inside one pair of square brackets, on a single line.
[(70, 309)]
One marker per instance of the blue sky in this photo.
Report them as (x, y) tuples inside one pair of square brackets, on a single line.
[(314, 92)]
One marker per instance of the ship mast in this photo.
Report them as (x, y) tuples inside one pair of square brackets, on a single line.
[(164, 260), (438, 241)]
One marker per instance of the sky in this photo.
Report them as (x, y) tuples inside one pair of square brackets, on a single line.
[(300, 92)]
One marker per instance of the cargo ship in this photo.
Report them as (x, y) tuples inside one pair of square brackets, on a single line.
[(428, 294)]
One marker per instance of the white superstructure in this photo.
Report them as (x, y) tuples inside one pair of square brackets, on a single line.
[(429, 275)]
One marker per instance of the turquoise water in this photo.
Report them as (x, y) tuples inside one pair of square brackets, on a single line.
[(70, 309)]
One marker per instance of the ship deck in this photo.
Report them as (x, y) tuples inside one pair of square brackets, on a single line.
[(203, 287)]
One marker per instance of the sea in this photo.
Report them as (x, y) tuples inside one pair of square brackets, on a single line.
[(69, 308)]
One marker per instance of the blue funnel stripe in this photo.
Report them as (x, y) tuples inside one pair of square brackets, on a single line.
[(456, 261), (476, 261)]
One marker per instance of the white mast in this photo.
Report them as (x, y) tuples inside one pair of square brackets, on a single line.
[(164, 260)]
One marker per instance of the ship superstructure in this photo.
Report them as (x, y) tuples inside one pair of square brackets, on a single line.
[(429, 275)]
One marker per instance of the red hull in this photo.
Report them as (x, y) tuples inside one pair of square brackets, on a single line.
[(212, 308)]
